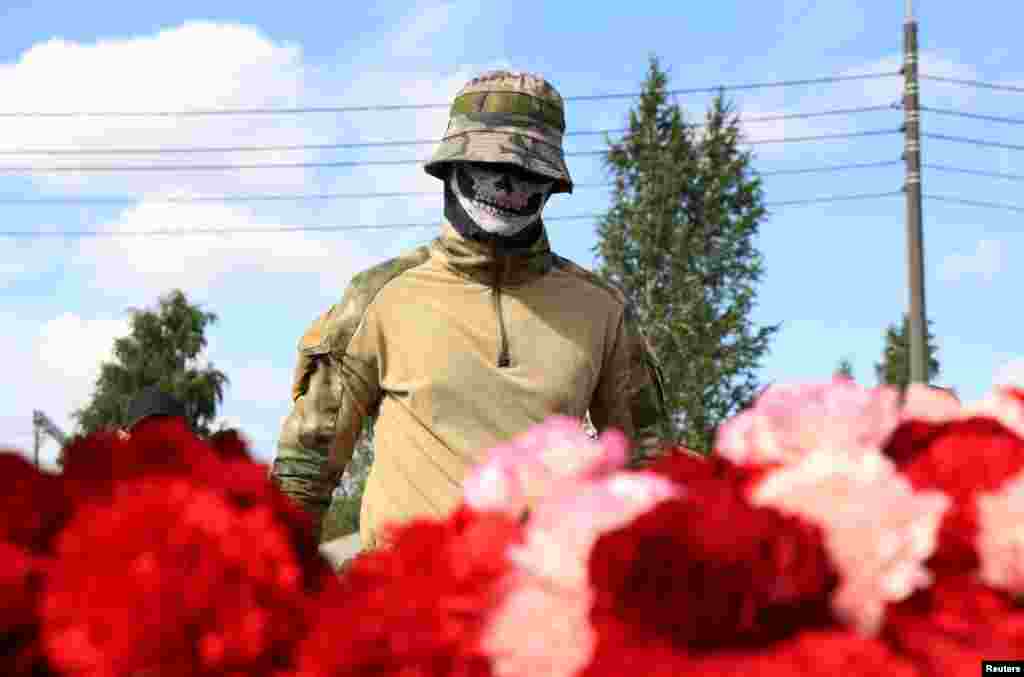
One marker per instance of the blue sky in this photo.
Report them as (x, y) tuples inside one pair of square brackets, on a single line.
[(836, 273)]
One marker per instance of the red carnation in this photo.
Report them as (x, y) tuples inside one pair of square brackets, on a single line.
[(823, 653), (418, 607), (167, 447), (164, 446), (911, 439), (33, 506), (650, 659), (684, 468), (246, 485), (961, 458), (710, 570), (169, 578), (230, 445), (965, 457), (21, 579), (948, 628), (812, 653)]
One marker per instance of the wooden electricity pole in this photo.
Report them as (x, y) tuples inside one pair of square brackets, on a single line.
[(918, 329)]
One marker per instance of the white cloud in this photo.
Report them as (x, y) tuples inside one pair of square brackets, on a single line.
[(930, 62), (198, 65), (845, 95), (985, 261), (199, 264), (55, 365), (251, 381), (74, 347)]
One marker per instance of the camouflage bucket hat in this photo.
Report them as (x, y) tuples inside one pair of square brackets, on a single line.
[(514, 118)]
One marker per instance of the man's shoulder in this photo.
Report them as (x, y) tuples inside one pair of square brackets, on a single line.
[(333, 330), (372, 280), (609, 289)]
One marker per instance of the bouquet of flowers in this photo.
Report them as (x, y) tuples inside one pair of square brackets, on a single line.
[(159, 554), (835, 529)]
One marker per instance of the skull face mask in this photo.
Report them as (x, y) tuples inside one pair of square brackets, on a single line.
[(501, 199)]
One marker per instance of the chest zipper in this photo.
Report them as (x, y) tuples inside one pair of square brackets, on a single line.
[(503, 357)]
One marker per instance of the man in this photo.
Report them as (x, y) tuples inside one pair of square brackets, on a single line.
[(151, 402), (459, 345)]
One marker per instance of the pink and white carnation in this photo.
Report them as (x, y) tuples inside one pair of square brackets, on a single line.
[(788, 422), (924, 403), (1000, 539), (549, 587), (574, 493), (879, 531), (518, 474), (1004, 405)]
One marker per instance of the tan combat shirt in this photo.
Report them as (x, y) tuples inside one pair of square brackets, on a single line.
[(455, 349)]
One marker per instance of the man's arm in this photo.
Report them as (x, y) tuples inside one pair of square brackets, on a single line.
[(630, 393), (334, 389)]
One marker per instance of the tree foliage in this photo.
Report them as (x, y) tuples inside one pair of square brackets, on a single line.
[(894, 369), (845, 368), (679, 240), (163, 348), (342, 516)]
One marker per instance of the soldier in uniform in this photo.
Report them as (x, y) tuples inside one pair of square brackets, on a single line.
[(461, 344)]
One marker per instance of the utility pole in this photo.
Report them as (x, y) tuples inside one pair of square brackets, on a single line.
[(918, 324), (41, 423), (36, 433)]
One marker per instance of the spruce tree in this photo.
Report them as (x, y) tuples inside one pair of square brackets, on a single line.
[(679, 240), (894, 369)]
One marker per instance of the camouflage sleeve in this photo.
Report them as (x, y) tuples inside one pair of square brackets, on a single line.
[(335, 387), (630, 393)]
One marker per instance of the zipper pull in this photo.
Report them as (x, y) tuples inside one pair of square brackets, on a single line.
[(503, 356)]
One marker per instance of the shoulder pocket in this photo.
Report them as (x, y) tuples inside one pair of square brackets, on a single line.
[(313, 346), (315, 340)]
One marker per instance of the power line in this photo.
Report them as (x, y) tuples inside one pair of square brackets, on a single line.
[(383, 144), (391, 226), (832, 168), (303, 110), (28, 169), (305, 197), (973, 142), (233, 231), (835, 198), (280, 197), (824, 137), (975, 116), (975, 203), (975, 172), (973, 83)]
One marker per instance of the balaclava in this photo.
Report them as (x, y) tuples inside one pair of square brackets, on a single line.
[(501, 158), (499, 204)]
